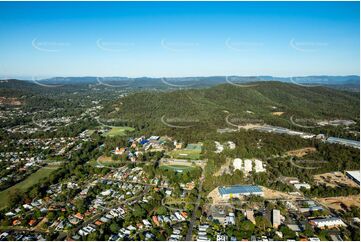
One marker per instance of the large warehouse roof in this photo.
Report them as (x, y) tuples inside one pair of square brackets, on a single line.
[(239, 189)]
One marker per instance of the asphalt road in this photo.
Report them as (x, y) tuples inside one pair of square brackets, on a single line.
[(193, 218)]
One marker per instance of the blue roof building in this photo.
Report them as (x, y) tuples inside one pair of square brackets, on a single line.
[(239, 190), (143, 142)]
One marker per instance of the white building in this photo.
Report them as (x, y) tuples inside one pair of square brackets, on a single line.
[(259, 166), (231, 145), (219, 147), (276, 218), (313, 239), (237, 164), (302, 185), (328, 222), (247, 165), (221, 237), (230, 219)]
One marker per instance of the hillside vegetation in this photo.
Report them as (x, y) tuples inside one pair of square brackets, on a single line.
[(209, 107)]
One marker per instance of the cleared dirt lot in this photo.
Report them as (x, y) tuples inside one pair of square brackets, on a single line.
[(277, 113), (339, 203), (274, 194), (216, 198), (301, 152), (104, 158), (334, 179), (250, 126)]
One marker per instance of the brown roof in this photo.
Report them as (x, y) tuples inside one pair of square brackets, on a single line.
[(32, 222)]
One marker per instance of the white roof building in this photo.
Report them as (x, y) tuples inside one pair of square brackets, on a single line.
[(314, 239), (328, 222), (221, 237), (237, 164), (248, 165), (259, 166), (302, 185), (219, 147), (231, 145), (276, 218)]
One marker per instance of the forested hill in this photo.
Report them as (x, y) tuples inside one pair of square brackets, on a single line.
[(259, 101)]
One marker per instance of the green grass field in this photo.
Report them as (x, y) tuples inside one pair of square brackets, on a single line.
[(27, 183), (197, 147), (118, 131), (185, 154)]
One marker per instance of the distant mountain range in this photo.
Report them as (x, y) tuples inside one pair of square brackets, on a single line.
[(244, 99), (350, 82), (70, 84)]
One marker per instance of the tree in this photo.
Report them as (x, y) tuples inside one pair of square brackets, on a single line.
[(92, 236), (15, 196), (308, 230), (37, 213), (114, 227), (177, 190), (139, 212), (247, 226), (80, 205), (287, 232), (34, 192), (51, 216), (262, 223), (161, 210)]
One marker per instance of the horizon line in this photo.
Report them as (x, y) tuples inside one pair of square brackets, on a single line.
[(31, 77)]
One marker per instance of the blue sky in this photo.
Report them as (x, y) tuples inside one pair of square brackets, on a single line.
[(179, 38)]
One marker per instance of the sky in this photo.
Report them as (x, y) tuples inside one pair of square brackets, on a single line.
[(173, 39)]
